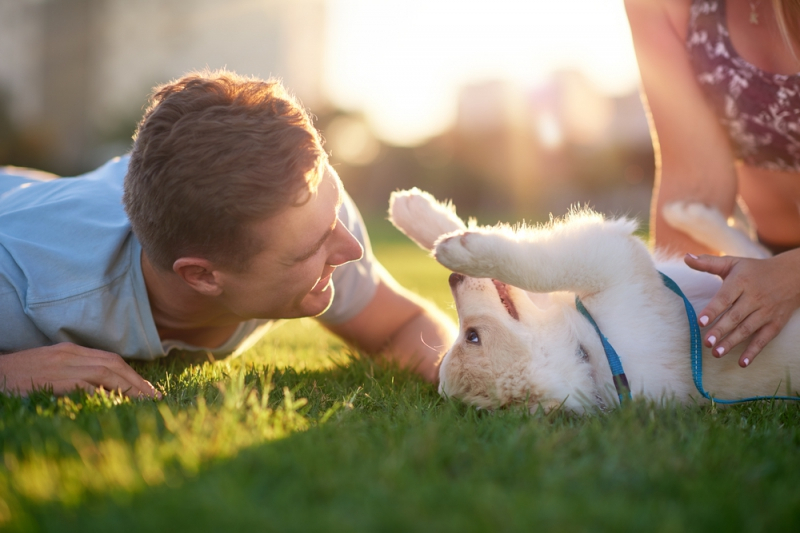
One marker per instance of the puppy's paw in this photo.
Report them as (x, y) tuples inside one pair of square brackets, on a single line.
[(421, 217), (708, 226), (470, 253), (686, 216), (407, 207)]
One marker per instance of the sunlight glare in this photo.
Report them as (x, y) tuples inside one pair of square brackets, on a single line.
[(402, 62), (351, 141), (549, 131)]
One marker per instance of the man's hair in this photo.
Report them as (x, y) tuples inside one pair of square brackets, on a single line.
[(213, 153)]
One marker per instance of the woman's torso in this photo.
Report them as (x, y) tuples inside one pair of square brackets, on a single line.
[(751, 80)]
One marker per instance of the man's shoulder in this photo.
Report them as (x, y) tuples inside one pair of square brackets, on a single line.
[(67, 251), (25, 186), (67, 236)]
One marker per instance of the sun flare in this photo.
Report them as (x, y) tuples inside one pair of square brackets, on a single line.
[(403, 62)]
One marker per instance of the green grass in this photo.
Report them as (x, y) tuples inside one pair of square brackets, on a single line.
[(300, 435)]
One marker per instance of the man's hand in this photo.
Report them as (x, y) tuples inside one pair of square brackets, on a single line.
[(756, 300), (68, 366)]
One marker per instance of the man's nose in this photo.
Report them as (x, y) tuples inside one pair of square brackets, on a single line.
[(346, 248)]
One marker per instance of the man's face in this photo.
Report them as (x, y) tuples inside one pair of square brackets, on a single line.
[(291, 276)]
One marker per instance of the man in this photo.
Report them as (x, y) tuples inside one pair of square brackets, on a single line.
[(225, 217)]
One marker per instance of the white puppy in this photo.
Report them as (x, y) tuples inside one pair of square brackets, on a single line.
[(522, 340)]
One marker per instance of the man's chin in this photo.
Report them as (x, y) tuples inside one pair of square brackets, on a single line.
[(318, 303)]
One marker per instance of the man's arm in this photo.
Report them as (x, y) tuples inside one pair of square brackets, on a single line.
[(67, 367), (401, 326)]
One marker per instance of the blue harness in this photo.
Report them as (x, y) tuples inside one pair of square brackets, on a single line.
[(621, 381)]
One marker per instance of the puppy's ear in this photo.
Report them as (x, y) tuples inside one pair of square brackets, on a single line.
[(422, 218)]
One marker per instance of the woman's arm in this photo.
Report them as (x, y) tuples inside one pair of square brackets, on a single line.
[(694, 161)]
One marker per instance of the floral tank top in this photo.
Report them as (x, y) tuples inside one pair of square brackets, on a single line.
[(760, 111)]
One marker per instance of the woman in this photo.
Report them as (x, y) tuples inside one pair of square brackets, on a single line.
[(721, 84)]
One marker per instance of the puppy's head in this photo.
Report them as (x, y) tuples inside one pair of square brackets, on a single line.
[(505, 353)]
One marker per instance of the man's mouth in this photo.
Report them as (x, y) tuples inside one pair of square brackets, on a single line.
[(505, 299), (324, 283)]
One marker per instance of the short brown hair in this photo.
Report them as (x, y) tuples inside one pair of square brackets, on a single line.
[(214, 152)]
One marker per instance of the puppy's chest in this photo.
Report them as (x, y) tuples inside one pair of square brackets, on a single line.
[(649, 335)]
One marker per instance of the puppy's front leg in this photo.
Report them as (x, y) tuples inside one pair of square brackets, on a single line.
[(583, 254)]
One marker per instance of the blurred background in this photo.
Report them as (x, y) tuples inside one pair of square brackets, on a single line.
[(514, 109)]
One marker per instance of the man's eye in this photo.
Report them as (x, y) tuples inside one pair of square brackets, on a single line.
[(472, 337)]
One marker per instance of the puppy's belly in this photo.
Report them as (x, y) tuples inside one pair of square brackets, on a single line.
[(771, 373)]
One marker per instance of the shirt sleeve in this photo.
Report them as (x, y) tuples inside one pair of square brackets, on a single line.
[(354, 283), (17, 330)]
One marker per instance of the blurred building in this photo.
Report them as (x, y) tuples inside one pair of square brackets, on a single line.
[(494, 135), (562, 143), (75, 74), (512, 153)]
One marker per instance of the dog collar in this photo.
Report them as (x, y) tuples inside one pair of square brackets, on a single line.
[(618, 374)]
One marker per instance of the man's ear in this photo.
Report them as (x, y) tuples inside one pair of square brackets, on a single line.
[(199, 274)]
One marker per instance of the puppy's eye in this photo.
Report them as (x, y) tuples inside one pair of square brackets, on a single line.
[(472, 336)]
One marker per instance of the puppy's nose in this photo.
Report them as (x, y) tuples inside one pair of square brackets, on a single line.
[(455, 279)]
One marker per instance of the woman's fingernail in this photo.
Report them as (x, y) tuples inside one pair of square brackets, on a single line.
[(746, 361), (692, 256), (712, 340), (719, 351), (704, 320)]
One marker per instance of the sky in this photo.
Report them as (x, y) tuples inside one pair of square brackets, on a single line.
[(402, 62)]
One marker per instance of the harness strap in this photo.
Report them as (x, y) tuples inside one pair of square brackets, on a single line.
[(621, 381)]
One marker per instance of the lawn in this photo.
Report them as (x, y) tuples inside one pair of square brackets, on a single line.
[(301, 435)]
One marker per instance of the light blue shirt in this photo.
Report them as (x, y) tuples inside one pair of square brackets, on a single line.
[(70, 269)]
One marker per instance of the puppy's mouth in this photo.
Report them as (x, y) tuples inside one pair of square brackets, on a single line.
[(505, 298)]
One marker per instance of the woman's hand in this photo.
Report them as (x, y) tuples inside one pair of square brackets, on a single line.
[(756, 300)]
